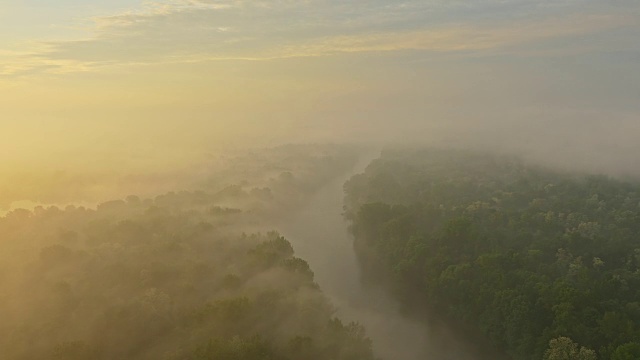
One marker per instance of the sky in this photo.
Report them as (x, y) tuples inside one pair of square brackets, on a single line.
[(87, 84)]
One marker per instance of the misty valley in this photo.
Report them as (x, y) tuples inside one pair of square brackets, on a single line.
[(332, 252), (319, 180)]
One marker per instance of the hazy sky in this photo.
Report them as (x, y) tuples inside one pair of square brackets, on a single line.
[(101, 81)]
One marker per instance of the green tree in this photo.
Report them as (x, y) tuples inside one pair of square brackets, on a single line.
[(628, 351), (563, 348)]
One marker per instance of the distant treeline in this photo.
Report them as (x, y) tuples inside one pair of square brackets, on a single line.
[(170, 278), (546, 265)]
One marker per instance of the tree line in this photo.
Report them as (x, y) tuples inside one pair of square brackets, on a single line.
[(545, 264)]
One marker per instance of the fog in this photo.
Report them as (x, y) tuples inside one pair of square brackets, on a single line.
[(203, 110), (177, 275), (568, 140), (583, 117)]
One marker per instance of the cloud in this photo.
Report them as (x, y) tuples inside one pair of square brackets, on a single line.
[(208, 30), (464, 37)]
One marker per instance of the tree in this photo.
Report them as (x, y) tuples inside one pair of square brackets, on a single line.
[(628, 351), (563, 348)]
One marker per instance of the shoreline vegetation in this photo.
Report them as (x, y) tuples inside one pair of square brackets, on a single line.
[(539, 262)]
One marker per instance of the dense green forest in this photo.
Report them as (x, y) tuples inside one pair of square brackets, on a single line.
[(544, 264), (176, 277)]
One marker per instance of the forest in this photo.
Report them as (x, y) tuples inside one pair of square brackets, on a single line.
[(319, 180), (543, 264), (531, 262), (179, 276)]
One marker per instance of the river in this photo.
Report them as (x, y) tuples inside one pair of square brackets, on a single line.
[(319, 234)]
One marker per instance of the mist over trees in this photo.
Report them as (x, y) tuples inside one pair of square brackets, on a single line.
[(177, 276), (259, 170), (529, 262), (545, 265)]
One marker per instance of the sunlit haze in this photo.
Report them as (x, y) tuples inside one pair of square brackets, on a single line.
[(101, 84), (458, 178)]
